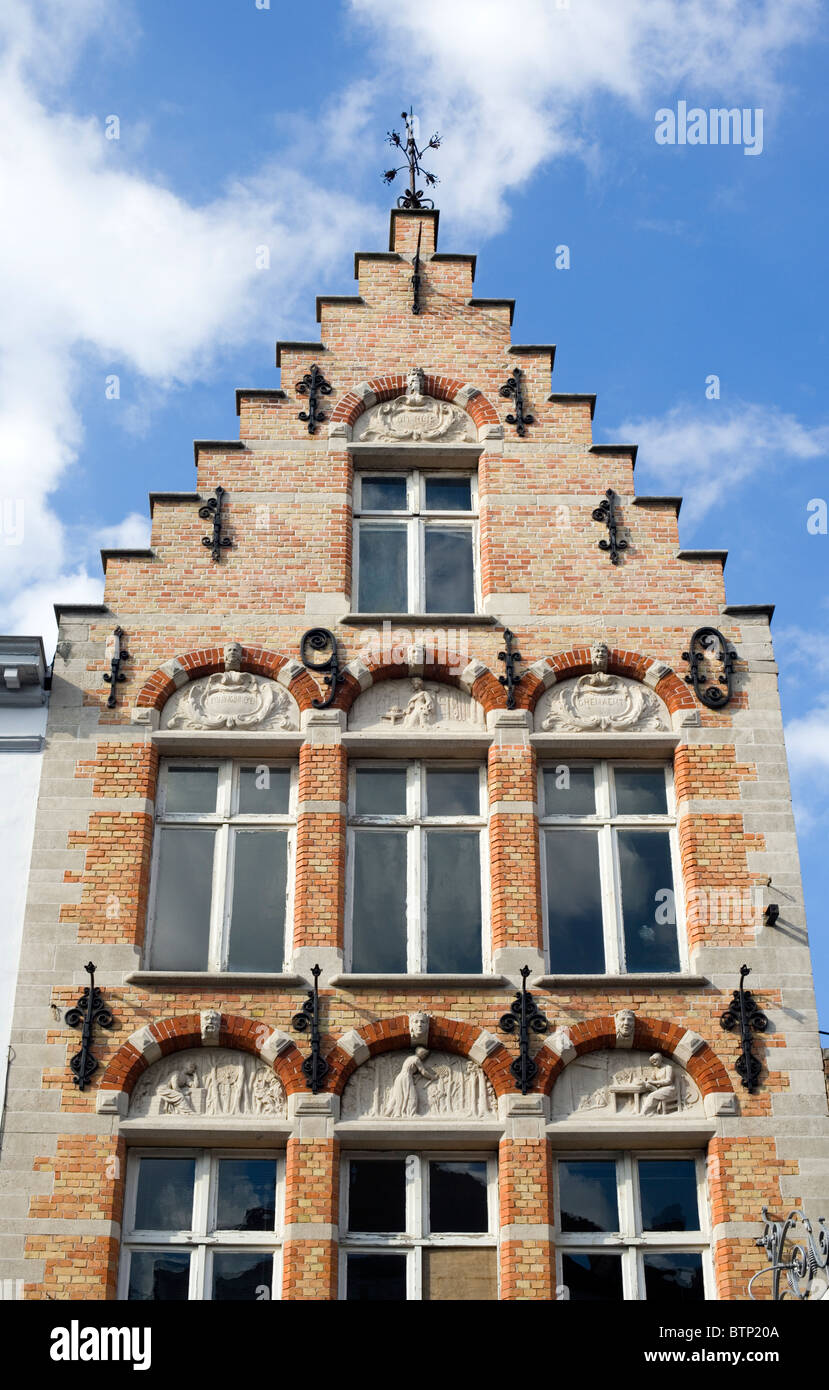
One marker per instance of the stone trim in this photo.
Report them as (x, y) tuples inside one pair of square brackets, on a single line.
[(173, 674), (650, 1034), (358, 398)]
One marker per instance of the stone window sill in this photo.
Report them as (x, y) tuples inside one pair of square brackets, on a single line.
[(422, 619), (417, 981), (226, 978), (675, 980)]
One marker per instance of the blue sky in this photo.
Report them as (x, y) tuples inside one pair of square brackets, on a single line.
[(243, 126)]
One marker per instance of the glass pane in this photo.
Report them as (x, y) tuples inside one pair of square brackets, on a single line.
[(383, 494), (592, 1278), (668, 1189), (191, 789), (449, 572), (569, 791), (383, 569), (241, 1276), (449, 494), (377, 1195), (380, 791), (648, 910), (164, 1200), (451, 792), (257, 915), (159, 1276), (460, 1275), (457, 1197), (453, 902), (245, 1197), (640, 791), (375, 1277), (264, 791), (574, 902), (674, 1278), (183, 894), (588, 1195), (378, 933)]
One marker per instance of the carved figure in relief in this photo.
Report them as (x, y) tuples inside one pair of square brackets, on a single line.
[(420, 709), (652, 1086), (601, 701), (395, 1088), (175, 1098), (664, 1093), (266, 1093), (403, 1097), (414, 385)]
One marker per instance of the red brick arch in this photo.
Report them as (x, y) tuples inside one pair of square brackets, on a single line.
[(157, 689), (650, 1035), (673, 691), (486, 689), (445, 1035), (351, 406)]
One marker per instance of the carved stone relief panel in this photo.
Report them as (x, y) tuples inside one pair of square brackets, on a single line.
[(218, 1081), (600, 701), (231, 700), (415, 704), (406, 1085), (627, 1086), (414, 418)]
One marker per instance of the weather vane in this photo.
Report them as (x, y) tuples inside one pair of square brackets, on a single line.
[(413, 197)]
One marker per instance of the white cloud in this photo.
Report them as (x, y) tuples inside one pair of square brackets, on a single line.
[(133, 533)]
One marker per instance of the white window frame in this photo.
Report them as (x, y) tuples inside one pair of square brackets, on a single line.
[(606, 821), (224, 820), (416, 517), (631, 1242), (416, 824), (417, 1237), (202, 1241)]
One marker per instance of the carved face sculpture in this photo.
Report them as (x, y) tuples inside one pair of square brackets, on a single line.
[(625, 1023), (598, 656), (414, 383), (233, 657), (419, 1027), (211, 1022)]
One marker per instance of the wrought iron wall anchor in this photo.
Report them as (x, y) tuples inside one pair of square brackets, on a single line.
[(808, 1257), (524, 1017), (413, 197), (416, 276), (509, 657), (314, 1068), (212, 511), (606, 512), (771, 914), (744, 1013), (313, 384), (709, 641), (513, 388), (89, 1009), (319, 639), (115, 655)]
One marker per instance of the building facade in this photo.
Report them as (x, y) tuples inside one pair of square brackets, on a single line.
[(440, 807)]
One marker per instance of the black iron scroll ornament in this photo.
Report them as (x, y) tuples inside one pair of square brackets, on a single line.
[(90, 1009), (744, 1013), (514, 388), (524, 1017), (413, 197), (416, 275), (606, 512), (212, 511), (509, 657), (709, 641), (806, 1258), (319, 639), (116, 653), (314, 1068), (313, 384)]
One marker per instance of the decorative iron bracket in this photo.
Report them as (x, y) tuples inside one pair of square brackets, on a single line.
[(744, 1013), (314, 1068), (606, 512), (514, 388), (413, 197), (707, 640), (115, 654), (524, 1017), (416, 276), (212, 511), (313, 384), (319, 639), (89, 1009), (509, 657), (809, 1255)]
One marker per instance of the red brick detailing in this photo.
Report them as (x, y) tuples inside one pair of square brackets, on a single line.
[(320, 848), (744, 1176), (312, 1189), (76, 1267), (525, 1189), (513, 849), (157, 689), (386, 388), (650, 1033)]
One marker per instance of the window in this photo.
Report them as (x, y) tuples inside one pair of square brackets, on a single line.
[(202, 1225), (608, 857), (416, 864), (416, 542), (223, 845), (418, 1227), (631, 1227)]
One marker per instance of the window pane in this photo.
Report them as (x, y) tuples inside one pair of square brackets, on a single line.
[(453, 902), (257, 919), (383, 494), (457, 1197), (588, 1195), (245, 1197), (449, 582), (191, 789), (241, 1276), (182, 908), (569, 791), (648, 900), (640, 791), (674, 1278), (164, 1200), (574, 902), (451, 792), (159, 1276), (449, 494), (375, 1277), (264, 791), (380, 791), (460, 1275), (592, 1278), (668, 1189), (378, 936), (377, 1195), (383, 569)]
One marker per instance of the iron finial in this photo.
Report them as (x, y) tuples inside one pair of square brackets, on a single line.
[(413, 197)]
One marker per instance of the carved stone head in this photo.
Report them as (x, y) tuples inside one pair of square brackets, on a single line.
[(656, 1059), (211, 1022), (233, 657), (599, 656), (419, 1029), (414, 383), (422, 1053), (625, 1023)]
